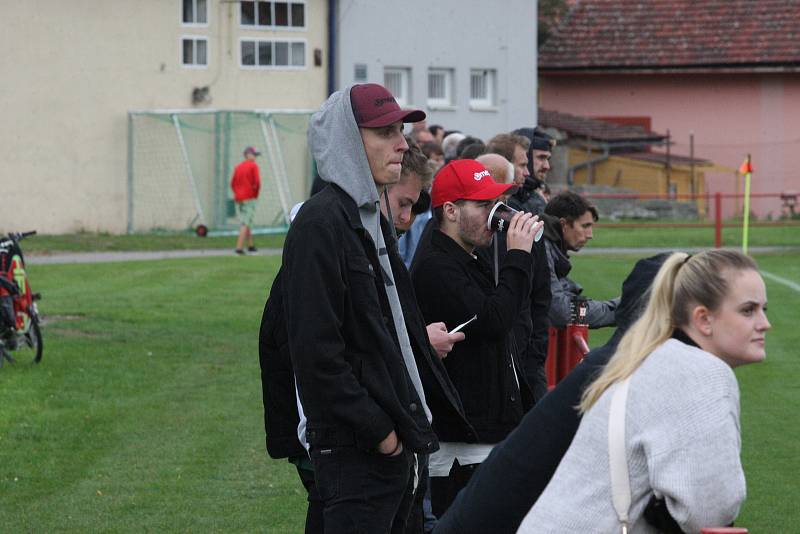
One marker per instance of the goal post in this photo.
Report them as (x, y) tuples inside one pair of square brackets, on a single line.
[(180, 163)]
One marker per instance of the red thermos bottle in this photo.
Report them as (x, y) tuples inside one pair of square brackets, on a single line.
[(567, 346)]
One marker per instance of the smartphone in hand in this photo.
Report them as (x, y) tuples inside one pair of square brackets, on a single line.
[(462, 325)]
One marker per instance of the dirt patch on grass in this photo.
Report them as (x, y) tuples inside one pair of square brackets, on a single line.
[(50, 319), (71, 332)]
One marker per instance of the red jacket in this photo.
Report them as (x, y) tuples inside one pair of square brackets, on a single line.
[(246, 181)]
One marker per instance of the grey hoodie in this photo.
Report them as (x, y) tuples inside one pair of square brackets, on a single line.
[(337, 148)]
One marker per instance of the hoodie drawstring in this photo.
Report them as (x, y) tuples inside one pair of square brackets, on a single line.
[(388, 214)]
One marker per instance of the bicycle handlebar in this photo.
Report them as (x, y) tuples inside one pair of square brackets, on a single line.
[(19, 236)]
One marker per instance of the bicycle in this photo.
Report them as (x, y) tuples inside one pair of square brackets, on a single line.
[(20, 330)]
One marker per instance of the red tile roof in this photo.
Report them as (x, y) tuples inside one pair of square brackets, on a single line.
[(596, 129), (669, 34), (616, 136)]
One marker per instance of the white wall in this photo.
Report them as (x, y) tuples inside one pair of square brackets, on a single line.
[(454, 34), (72, 70)]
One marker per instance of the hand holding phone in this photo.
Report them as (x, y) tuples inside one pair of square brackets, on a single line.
[(441, 340), (462, 325)]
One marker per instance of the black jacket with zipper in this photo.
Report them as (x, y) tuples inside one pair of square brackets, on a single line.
[(352, 381), (452, 286), (277, 376), (530, 329)]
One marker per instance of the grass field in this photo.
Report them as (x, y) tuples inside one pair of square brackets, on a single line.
[(145, 414), (649, 236), (85, 242)]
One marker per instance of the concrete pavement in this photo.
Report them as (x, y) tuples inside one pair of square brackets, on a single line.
[(107, 257)]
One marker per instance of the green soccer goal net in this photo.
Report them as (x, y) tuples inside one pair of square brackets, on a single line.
[(180, 165)]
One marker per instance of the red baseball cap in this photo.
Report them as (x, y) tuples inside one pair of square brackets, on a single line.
[(375, 107), (465, 179)]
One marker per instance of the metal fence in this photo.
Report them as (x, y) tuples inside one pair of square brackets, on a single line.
[(180, 164)]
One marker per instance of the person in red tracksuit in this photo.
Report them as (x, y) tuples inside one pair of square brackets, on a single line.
[(246, 184)]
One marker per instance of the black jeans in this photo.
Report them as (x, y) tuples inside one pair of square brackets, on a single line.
[(416, 519), (445, 489), (314, 515), (364, 493)]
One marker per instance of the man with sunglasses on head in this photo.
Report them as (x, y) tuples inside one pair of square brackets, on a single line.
[(452, 285)]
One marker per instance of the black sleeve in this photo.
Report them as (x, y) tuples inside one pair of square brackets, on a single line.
[(447, 293), (277, 380), (531, 327), (540, 303), (314, 300)]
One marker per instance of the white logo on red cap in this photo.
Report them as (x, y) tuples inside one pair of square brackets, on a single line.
[(479, 175)]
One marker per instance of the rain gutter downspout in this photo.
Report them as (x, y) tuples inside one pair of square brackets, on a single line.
[(332, 8), (590, 163)]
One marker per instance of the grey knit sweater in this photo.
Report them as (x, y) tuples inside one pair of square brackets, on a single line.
[(682, 441)]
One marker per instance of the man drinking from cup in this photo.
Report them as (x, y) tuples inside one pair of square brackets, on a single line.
[(452, 285)]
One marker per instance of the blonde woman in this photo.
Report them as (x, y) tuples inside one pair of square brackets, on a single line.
[(705, 315)]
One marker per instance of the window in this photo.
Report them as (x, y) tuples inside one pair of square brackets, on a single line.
[(298, 54), (265, 53), (398, 82), (272, 14), (195, 12), (360, 73), (440, 87), (482, 88), (194, 51)]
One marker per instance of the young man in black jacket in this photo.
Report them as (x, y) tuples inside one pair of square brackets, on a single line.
[(352, 330), (285, 430), (569, 220), (453, 285)]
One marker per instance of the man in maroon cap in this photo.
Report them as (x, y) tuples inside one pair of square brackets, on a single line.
[(453, 285), (354, 329)]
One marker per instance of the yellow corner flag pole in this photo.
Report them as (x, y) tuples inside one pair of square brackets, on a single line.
[(747, 170)]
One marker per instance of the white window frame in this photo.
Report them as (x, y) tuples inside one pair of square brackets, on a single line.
[(449, 98), (403, 97), (194, 24), (194, 39), (489, 102), (256, 40), (356, 68), (273, 26)]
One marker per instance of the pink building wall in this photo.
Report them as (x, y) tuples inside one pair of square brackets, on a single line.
[(731, 115)]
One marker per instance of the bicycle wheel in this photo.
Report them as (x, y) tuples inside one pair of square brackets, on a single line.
[(30, 345)]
